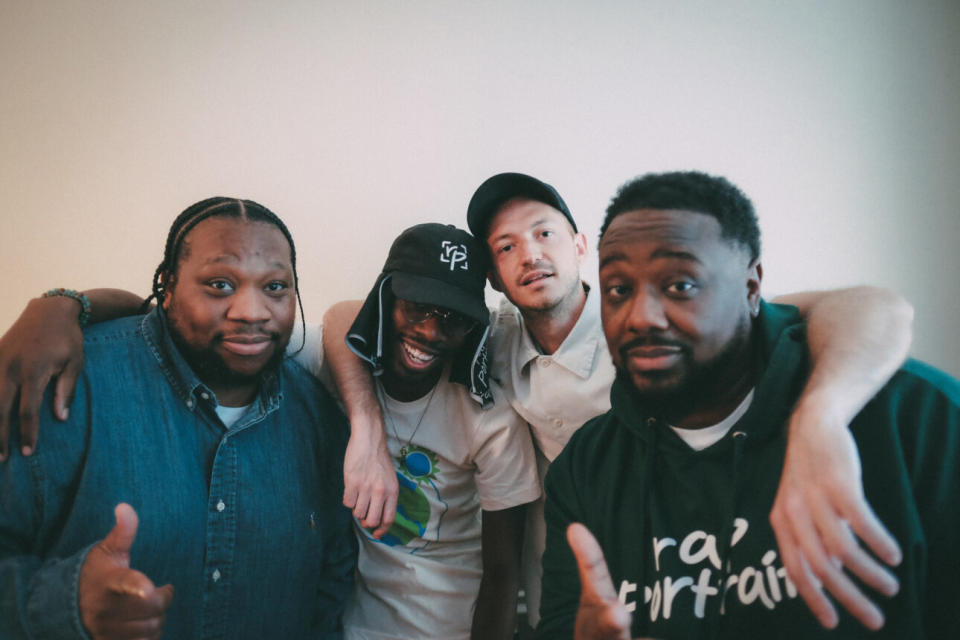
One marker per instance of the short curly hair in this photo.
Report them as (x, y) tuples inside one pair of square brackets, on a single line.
[(691, 191)]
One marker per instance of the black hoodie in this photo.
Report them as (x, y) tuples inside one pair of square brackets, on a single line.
[(675, 523)]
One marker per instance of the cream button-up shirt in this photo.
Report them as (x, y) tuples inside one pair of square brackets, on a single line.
[(555, 394)]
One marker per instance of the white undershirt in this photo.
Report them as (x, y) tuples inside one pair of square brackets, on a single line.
[(700, 439), (230, 415)]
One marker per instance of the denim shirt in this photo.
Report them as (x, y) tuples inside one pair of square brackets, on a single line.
[(247, 522)]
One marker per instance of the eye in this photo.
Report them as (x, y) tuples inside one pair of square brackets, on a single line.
[(277, 286), (504, 248), (682, 289), (546, 233), (616, 293), (223, 286)]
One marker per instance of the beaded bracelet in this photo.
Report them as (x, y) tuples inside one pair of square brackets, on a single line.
[(76, 295)]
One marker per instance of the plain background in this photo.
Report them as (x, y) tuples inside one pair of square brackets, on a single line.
[(353, 120)]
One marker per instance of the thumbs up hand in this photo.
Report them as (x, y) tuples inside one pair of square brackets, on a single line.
[(115, 600)]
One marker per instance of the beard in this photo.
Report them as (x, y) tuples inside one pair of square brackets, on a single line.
[(210, 367), (698, 385)]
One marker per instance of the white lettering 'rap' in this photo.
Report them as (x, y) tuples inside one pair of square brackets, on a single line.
[(454, 254)]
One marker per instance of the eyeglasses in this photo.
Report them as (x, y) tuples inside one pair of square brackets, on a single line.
[(451, 322)]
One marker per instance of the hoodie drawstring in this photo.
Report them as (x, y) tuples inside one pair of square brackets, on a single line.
[(649, 461), (715, 621)]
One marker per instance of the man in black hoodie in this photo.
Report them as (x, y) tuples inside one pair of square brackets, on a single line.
[(677, 480)]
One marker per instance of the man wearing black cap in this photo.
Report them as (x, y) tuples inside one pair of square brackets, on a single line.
[(551, 358), (463, 458)]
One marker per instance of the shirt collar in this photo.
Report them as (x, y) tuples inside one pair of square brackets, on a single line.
[(579, 350), (186, 385)]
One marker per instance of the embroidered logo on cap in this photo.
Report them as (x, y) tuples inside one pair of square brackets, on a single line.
[(454, 254)]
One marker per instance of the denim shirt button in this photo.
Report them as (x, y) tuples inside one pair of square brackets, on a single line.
[(216, 575), (189, 403), (221, 506), (204, 395)]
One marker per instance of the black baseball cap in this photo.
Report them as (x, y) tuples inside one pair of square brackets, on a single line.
[(490, 196), (441, 265)]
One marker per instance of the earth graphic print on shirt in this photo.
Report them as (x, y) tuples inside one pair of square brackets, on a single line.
[(416, 475)]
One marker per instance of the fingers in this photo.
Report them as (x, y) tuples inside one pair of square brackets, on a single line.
[(815, 569), (808, 587), (350, 494), (124, 532), (135, 609), (842, 546), (363, 504), (600, 615), (8, 394), (868, 528), (389, 515), (843, 550), (594, 575), (66, 385), (31, 397)]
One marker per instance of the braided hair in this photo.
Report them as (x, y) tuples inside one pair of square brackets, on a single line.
[(193, 215)]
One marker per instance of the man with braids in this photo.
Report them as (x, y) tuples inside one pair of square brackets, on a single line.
[(677, 480), (195, 456)]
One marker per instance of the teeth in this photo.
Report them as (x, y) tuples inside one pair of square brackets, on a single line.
[(417, 355)]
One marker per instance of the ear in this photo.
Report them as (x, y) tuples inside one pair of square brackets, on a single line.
[(580, 245), (167, 281), (754, 276), (495, 280)]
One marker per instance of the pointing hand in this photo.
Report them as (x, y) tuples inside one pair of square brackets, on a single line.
[(600, 615)]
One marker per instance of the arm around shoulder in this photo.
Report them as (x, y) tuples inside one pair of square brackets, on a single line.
[(370, 480)]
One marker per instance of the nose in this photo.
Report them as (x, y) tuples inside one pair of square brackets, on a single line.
[(647, 312), (248, 305), (431, 330), (530, 251)]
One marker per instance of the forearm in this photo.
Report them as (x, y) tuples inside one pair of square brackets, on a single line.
[(858, 338), (495, 615), (109, 304), (38, 596), (350, 375)]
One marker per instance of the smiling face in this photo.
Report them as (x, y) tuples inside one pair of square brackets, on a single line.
[(677, 300), (231, 303), (536, 255), (417, 353)]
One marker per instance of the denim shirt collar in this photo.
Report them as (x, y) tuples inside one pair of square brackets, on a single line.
[(185, 383)]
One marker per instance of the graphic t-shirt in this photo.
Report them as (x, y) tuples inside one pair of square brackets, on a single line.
[(421, 579)]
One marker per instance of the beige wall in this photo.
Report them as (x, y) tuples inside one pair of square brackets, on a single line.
[(354, 120)]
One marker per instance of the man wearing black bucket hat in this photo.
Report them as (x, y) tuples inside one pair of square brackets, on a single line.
[(463, 458)]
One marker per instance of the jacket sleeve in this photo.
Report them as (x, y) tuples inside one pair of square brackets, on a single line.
[(339, 567), (38, 591), (561, 582), (932, 420), (38, 595)]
